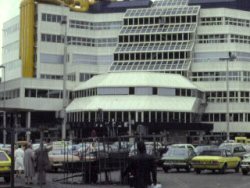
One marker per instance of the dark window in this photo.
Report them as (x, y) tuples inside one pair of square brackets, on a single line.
[(42, 93), (131, 90), (30, 93), (43, 17), (155, 91)]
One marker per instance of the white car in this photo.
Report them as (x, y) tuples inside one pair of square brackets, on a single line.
[(237, 149), (149, 148), (187, 146)]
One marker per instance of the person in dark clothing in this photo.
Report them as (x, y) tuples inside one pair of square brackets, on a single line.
[(142, 166)]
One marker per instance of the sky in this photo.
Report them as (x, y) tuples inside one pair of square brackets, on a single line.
[(8, 10)]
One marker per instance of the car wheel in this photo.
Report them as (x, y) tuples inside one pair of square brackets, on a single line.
[(237, 169), (223, 169), (7, 179), (244, 171), (198, 171), (165, 169)]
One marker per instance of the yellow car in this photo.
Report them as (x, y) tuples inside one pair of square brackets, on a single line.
[(5, 164), (215, 159)]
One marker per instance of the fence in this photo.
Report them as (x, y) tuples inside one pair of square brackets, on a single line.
[(101, 160)]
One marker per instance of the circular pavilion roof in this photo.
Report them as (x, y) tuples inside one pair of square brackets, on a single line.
[(137, 79)]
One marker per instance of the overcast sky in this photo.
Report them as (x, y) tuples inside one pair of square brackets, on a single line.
[(8, 9)]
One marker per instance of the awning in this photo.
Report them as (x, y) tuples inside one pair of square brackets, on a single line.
[(134, 103)]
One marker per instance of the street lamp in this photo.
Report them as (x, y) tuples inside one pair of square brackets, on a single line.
[(65, 96), (4, 112), (230, 57)]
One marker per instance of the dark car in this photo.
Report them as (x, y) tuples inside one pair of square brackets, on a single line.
[(178, 158)]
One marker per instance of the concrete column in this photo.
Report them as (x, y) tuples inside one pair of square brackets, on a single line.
[(136, 116), (4, 126), (15, 125), (28, 125), (142, 116)]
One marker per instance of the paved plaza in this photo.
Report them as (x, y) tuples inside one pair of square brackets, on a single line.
[(169, 180)]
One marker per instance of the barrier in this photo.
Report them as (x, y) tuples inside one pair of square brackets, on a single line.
[(102, 160)]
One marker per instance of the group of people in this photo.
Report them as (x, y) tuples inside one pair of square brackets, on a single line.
[(32, 162)]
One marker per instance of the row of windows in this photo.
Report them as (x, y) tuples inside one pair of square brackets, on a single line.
[(221, 117), (11, 29), (138, 91), (154, 38), (237, 22), (223, 39), (160, 20), (221, 76), (177, 117), (53, 18), (151, 56), (160, 66), (71, 77), (10, 94), (80, 41), (85, 76), (95, 25), (81, 24), (43, 93), (162, 11), (224, 21), (211, 21), (234, 96), (212, 38), (51, 77)]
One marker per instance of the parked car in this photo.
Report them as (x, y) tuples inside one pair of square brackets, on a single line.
[(5, 163), (202, 148), (216, 159), (245, 164), (187, 146), (178, 158), (151, 148), (58, 157), (237, 149)]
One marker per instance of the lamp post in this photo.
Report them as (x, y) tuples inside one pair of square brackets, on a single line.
[(65, 95), (4, 112), (230, 57)]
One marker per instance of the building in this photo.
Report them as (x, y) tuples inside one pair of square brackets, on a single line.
[(115, 39)]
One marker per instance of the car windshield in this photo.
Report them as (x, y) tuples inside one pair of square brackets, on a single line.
[(176, 152), (3, 157), (211, 153)]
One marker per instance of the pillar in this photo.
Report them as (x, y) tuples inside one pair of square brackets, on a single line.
[(28, 126)]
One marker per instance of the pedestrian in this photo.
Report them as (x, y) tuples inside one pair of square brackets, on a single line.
[(29, 164), (42, 163), (19, 155), (141, 167)]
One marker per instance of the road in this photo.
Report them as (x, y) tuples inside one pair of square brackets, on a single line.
[(169, 180)]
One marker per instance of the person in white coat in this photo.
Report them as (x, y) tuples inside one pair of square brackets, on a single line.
[(19, 155)]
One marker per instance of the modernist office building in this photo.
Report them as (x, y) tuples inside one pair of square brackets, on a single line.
[(158, 64)]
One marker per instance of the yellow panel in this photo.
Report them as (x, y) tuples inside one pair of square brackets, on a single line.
[(27, 37)]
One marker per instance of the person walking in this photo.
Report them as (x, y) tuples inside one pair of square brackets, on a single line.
[(42, 163), (19, 155), (141, 167), (29, 164)]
